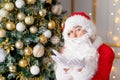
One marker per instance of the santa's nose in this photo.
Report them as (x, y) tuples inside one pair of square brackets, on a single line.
[(74, 35)]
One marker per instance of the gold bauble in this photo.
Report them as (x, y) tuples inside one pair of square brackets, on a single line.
[(51, 25), (21, 16), (33, 29), (49, 1), (23, 63), (29, 20), (43, 39), (42, 12), (28, 51), (30, 1), (2, 78), (19, 44), (2, 33), (9, 6), (12, 68), (10, 25)]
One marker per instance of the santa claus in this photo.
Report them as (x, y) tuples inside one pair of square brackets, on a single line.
[(79, 59)]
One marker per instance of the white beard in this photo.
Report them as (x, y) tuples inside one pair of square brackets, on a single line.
[(80, 48)]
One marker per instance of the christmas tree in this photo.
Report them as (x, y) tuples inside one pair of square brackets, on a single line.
[(29, 29)]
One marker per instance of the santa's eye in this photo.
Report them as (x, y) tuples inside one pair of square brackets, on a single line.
[(78, 29), (68, 34)]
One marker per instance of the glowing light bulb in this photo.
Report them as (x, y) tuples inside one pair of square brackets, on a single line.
[(117, 19), (110, 32), (119, 53), (113, 67), (112, 13), (118, 11), (115, 38), (116, 1), (118, 28), (114, 4), (113, 77), (90, 14)]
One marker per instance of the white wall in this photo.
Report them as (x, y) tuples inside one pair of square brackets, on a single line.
[(66, 5), (84, 5)]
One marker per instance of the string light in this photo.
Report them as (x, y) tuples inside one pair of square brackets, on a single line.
[(113, 68), (110, 32), (112, 13), (90, 14), (115, 38), (114, 4), (117, 19), (116, 1), (113, 77), (118, 28), (119, 53), (118, 11)]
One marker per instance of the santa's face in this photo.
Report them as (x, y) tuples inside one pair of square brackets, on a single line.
[(76, 32)]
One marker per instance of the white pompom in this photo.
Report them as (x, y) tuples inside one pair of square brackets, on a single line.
[(20, 27), (57, 9), (3, 13), (19, 3), (47, 33), (2, 55), (55, 40), (38, 50), (34, 70)]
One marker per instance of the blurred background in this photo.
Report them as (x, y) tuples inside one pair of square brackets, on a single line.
[(106, 15)]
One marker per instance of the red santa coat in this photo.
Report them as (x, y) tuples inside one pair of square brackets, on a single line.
[(106, 57)]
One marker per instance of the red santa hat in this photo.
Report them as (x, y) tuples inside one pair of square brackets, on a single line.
[(79, 19)]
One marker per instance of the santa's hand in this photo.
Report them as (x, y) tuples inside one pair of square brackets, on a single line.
[(79, 69), (77, 62), (60, 57)]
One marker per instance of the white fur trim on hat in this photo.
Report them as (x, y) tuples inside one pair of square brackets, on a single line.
[(78, 20)]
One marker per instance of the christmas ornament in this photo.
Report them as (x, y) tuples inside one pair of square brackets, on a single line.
[(2, 55), (19, 3), (33, 29), (47, 33), (23, 63), (46, 60), (38, 50), (20, 27), (19, 44), (34, 70), (2, 33), (51, 25), (10, 25), (9, 6), (43, 39), (30, 1), (28, 51), (49, 1), (55, 40), (3, 13), (21, 16), (42, 12), (57, 9), (12, 68), (29, 20), (1, 19), (2, 78)]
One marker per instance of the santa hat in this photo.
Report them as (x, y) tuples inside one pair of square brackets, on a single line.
[(79, 19)]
